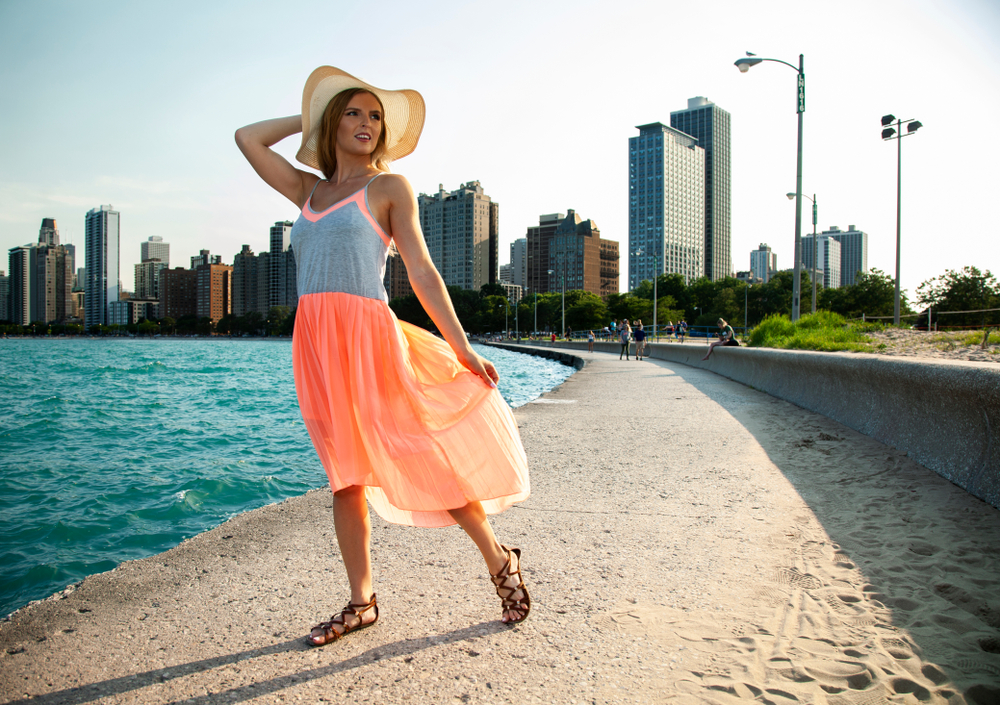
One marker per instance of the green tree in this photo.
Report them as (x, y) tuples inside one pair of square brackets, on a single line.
[(585, 311), (227, 325), (187, 324), (965, 290)]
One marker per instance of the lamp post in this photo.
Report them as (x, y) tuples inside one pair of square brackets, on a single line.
[(887, 134), (815, 252), (744, 65), (562, 283), (656, 274), (746, 299)]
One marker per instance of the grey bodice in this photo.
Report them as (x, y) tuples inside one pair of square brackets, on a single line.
[(340, 249)]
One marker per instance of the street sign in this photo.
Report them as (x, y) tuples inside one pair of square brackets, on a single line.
[(802, 93)]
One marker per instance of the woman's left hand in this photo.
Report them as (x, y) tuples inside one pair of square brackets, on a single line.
[(480, 365)]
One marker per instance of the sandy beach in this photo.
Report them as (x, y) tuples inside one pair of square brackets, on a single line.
[(688, 540), (944, 345)]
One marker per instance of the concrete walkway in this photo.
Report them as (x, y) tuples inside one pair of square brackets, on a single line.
[(688, 539)]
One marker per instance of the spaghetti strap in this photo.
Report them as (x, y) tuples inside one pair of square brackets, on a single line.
[(367, 206), (309, 200)]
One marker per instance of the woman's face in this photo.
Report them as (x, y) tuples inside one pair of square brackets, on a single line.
[(360, 125)]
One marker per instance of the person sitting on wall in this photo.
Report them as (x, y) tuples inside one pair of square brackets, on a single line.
[(727, 337)]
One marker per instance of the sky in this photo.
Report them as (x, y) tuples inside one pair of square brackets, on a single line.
[(135, 105)]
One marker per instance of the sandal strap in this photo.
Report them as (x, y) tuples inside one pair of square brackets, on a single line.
[(353, 609)]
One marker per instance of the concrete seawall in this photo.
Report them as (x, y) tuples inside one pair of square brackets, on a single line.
[(943, 414)]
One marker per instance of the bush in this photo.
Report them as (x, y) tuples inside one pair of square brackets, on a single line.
[(823, 330)]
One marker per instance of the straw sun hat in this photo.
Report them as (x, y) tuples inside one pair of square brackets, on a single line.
[(403, 119)]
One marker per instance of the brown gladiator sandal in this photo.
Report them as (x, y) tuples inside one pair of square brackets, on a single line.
[(330, 634), (523, 604)]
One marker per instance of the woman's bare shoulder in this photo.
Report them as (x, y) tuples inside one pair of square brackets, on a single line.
[(394, 185)]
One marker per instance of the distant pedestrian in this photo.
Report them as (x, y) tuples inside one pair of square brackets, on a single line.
[(625, 336), (640, 340), (670, 328), (553, 337), (727, 337), (682, 329), (590, 341)]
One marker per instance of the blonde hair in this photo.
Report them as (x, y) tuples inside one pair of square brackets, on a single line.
[(721, 322), (326, 153)]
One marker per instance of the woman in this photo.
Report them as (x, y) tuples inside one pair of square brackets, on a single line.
[(726, 337), (590, 341), (410, 422), (626, 338)]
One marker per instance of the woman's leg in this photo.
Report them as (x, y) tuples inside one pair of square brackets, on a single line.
[(472, 518), (711, 347), (353, 527)]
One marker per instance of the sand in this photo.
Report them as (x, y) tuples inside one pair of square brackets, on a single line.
[(944, 345), (688, 540)]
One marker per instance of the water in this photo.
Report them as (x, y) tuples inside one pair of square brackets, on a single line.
[(113, 450)]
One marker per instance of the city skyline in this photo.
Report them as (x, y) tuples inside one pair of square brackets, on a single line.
[(168, 163)]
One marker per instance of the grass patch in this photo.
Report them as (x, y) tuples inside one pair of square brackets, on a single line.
[(965, 338), (823, 330)]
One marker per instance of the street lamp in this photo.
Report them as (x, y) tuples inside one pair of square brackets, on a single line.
[(887, 134), (656, 273), (562, 283), (744, 65), (746, 290), (815, 253)]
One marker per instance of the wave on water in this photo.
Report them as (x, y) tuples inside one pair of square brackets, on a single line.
[(118, 450)]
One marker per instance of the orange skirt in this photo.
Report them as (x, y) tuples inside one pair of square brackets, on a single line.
[(389, 407)]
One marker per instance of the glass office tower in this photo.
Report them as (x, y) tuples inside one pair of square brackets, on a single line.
[(666, 212), (101, 228), (709, 124)]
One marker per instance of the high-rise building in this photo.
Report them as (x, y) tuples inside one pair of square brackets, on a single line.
[(763, 262), (505, 274), (396, 281), (828, 270), (709, 124), (19, 286), (519, 262), (204, 257), (568, 247), (250, 288), (101, 228), (41, 278), (80, 279), (4, 296), (147, 278), (155, 248), (610, 267), (215, 291), (575, 257), (853, 252), (282, 272), (462, 232), (538, 242), (178, 293), (666, 222), (48, 234)]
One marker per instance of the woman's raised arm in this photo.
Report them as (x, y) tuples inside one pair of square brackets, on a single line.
[(255, 142)]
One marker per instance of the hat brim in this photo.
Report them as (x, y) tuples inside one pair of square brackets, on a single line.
[(403, 120)]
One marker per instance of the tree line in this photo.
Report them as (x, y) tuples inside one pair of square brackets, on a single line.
[(703, 302), (700, 303), (279, 321)]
